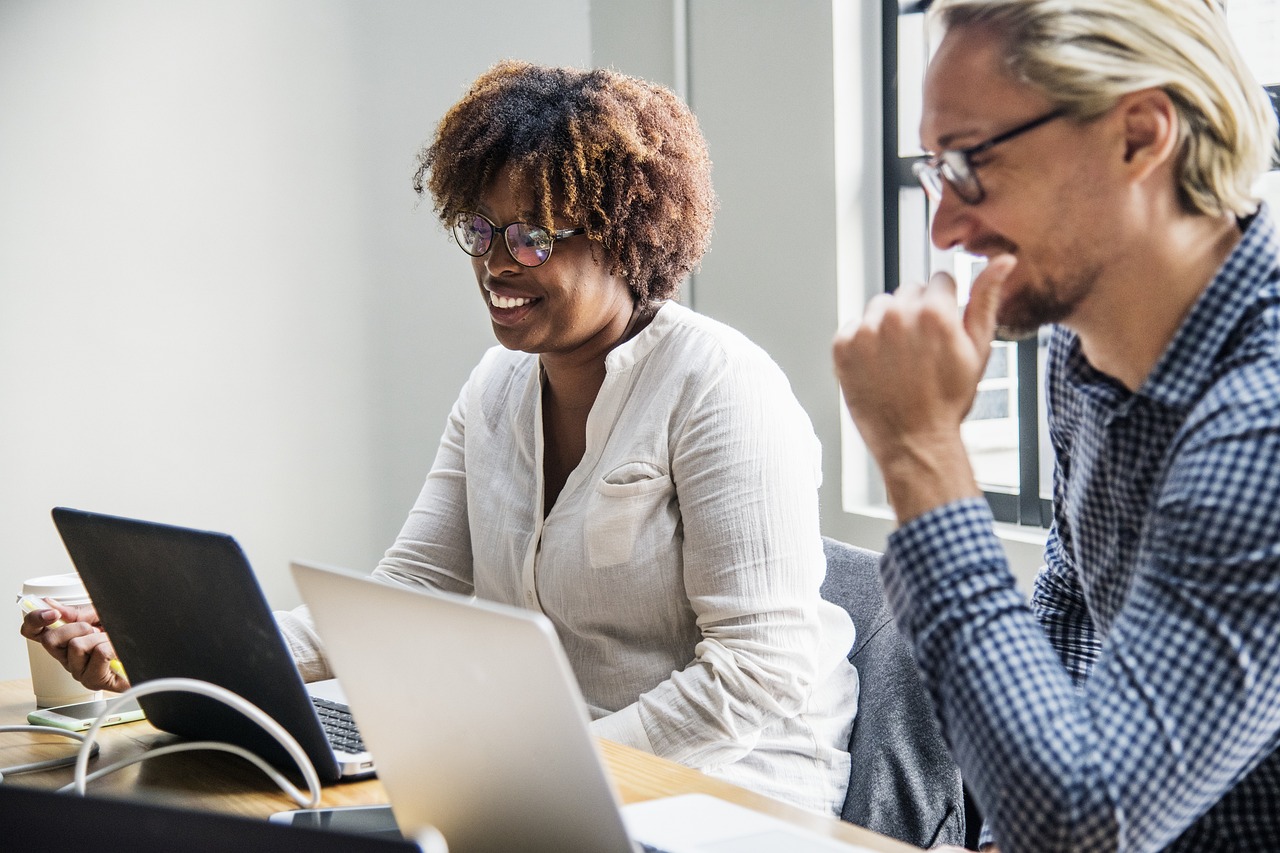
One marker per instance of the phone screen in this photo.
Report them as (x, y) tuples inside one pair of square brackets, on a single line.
[(92, 710), (377, 821), (80, 716)]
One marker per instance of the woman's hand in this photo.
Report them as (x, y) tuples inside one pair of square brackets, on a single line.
[(73, 635)]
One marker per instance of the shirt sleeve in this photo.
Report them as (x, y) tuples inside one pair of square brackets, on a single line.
[(1179, 706), (746, 466), (299, 632)]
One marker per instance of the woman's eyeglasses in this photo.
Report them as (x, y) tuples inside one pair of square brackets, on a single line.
[(956, 166), (529, 245)]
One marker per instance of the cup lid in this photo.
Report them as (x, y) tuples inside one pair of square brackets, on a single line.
[(54, 586)]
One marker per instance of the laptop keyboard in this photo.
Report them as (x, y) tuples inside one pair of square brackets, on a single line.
[(339, 726)]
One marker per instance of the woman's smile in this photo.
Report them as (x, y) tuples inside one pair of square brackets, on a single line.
[(507, 307)]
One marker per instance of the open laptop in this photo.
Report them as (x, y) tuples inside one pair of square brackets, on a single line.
[(481, 732), (185, 603)]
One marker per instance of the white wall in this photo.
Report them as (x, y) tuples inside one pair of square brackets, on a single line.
[(788, 95), (763, 88), (793, 127), (218, 304)]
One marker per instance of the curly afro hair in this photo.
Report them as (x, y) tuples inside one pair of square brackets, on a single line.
[(619, 155)]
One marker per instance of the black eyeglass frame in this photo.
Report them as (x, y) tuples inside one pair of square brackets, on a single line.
[(554, 235), (955, 166)]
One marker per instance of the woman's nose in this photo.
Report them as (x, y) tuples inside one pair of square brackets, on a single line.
[(499, 257)]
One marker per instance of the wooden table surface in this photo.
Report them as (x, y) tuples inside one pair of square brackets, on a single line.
[(222, 782)]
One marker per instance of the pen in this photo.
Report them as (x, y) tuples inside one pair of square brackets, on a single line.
[(31, 603)]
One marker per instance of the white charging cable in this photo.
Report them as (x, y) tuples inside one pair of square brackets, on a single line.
[(429, 840), (47, 764), (213, 691)]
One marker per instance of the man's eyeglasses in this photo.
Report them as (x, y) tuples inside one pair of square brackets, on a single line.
[(957, 169), (530, 245)]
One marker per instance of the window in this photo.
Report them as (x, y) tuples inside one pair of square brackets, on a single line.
[(1255, 24), (1006, 432)]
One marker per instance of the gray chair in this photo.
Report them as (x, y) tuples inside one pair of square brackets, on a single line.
[(903, 782)]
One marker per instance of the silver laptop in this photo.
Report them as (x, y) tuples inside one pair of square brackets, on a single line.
[(481, 732)]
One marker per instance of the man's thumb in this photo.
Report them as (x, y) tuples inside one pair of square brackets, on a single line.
[(984, 300)]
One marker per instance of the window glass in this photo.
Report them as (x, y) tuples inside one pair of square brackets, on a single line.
[(913, 56), (1255, 25)]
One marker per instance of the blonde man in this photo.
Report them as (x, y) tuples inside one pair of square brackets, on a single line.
[(1101, 154)]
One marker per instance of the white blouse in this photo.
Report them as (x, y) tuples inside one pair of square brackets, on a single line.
[(680, 564)]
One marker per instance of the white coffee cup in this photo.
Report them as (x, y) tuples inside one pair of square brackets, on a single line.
[(52, 684)]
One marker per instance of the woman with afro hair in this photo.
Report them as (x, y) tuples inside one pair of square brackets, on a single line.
[(642, 475)]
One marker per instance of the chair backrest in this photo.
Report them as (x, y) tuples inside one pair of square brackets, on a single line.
[(903, 781)]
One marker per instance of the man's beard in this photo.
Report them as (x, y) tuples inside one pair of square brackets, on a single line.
[(1021, 316)]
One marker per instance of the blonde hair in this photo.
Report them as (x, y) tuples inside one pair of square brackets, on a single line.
[(1086, 54)]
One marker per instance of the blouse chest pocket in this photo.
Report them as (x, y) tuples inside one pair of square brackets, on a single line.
[(633, 500)]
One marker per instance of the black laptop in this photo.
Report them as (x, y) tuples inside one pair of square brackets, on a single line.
[(183, 603), (35, 820)]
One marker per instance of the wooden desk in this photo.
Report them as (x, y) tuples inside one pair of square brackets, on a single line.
[(224, 783)]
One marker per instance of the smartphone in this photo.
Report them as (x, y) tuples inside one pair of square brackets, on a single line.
[(376, 821), (80, 716)]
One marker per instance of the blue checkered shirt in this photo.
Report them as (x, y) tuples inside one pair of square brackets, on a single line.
[(1135, 704)]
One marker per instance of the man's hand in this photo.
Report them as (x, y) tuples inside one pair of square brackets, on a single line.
[(73, 635), (909, 371)]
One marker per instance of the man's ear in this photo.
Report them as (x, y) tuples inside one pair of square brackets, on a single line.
[(1150, 123)]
